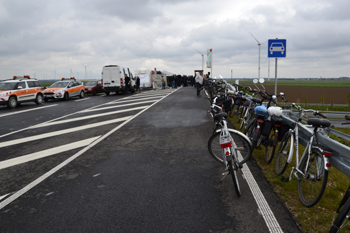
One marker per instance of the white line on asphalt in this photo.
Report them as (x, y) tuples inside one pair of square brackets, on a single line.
[(87, 117), (117, 106), (58, 167), (32, 109), (82, 99), (45, 153), (266, 212), (130, 100), (60, 132), (2, 197)]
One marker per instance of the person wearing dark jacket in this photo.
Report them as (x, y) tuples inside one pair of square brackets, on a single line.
[(138, 84), (127, 84)]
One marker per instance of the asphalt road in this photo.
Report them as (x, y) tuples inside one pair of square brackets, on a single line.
[(140, 164)]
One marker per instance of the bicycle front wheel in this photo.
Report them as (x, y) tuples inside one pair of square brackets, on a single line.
[(233, 170), (341, 219), (311, 186), (283, 152), (239, 142)]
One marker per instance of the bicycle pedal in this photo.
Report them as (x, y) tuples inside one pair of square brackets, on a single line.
[(225, 173), (284, 179)]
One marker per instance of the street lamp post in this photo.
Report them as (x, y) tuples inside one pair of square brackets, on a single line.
[(202, 59)]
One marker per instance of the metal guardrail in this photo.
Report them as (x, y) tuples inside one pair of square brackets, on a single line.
[(340, 153)]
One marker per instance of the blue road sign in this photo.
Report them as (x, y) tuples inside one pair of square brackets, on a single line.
[(277, 48)]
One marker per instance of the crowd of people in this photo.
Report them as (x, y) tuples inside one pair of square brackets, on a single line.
[(184, 80)]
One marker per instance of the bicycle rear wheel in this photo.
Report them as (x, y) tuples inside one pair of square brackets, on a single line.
[(239, 113), (283, 153), (311, 187), (270, 147), (239, 142), (233, 170)]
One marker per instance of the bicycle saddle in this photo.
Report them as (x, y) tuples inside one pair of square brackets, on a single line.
[(319, 122), (256, 100)]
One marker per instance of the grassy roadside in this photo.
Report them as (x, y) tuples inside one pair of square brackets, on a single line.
[(315, 219)]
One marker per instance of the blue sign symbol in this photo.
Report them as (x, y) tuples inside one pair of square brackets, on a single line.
[(277, 48)]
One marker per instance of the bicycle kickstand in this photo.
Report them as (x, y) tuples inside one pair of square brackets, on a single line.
[(224, 174)]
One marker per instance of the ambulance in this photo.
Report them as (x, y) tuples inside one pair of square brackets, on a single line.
[(65, 89), (113, 77), (20, 89)]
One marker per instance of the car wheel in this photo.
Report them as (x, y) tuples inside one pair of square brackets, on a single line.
[(66, 96), (82, 94), (95, 92), (12, 102), (39, 99), (107, 93)]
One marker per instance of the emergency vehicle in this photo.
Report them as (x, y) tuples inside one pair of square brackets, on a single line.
[(65, 89), (20, 89), (113, 77)]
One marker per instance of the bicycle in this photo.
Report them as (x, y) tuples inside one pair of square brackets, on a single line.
[(342, 219), (229, 147), (312, 170)]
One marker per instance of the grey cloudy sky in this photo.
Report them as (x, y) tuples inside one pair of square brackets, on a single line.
[(49, 38)]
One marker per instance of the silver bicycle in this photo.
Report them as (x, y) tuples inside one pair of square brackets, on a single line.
[(311, 169), (229, 147)]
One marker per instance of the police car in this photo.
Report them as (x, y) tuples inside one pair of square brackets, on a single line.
[(20, 89), (65, 89)]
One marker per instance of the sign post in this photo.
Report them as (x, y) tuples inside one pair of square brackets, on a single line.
[(210, 60), (276, 48)]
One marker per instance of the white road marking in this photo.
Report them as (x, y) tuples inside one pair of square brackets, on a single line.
[(32, 109), (87, 117), (58, 167), (130, 100), (82, 99), (45, 153), (60, 132), (265, 210), (117, 106)]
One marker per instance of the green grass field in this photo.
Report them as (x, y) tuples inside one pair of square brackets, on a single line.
[(301, 83)]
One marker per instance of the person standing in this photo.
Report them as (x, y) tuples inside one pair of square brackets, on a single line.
[(138, 84), (199, 81), (127, 84), (163, 82)]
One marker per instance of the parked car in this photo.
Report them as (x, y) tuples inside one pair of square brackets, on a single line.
[(94, 87), (20, 89), (65, 89)]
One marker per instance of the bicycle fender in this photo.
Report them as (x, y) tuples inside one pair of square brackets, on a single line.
[(238, 132)]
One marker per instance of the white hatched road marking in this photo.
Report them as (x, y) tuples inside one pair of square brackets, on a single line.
[(32, 109), (87, 117), (117, 106), (45, 153), (58, 167), (82, 99), (59, 132)]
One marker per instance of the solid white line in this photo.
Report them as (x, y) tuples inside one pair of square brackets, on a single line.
[(87, 117), (270, 219), (58, 167), (32, 109), (60, 132), (45, 153)]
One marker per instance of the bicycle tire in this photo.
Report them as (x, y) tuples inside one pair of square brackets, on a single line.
[(311, 189), (240, 141), (339, 221), (283, 152), (238, 113), (270, 148), (232, 167)]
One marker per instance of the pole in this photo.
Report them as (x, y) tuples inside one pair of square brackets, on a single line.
[(276, 76), (202, 62), (268, 74), (259, 62)]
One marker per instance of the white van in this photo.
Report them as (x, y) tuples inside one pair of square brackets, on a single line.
[(113, 77)]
